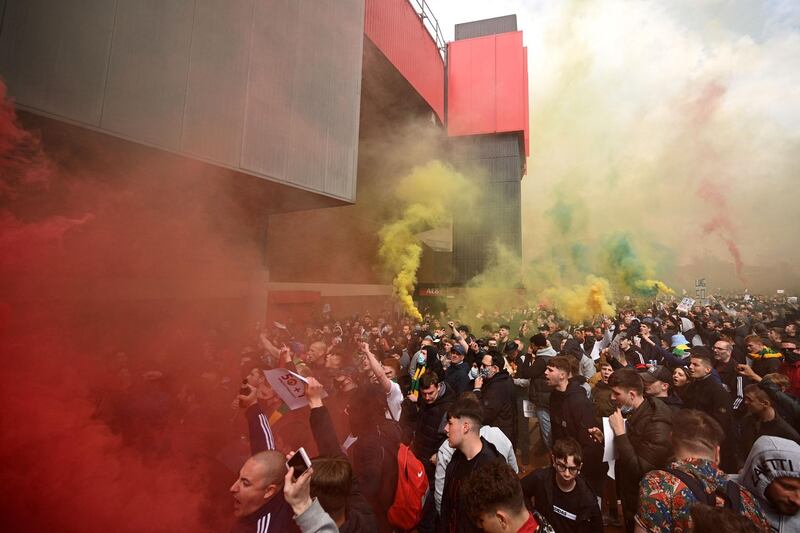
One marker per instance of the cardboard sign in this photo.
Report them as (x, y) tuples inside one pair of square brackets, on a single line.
[(290, 387), (685, 305)]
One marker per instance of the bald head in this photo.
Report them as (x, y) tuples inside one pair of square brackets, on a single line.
[(259, 480), (271, 465), (316, 351)]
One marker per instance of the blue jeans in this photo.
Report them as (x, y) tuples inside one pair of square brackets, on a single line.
[(544, 425)]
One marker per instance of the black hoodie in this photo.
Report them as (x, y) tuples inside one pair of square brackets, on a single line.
[(571, 415), (499, 405)]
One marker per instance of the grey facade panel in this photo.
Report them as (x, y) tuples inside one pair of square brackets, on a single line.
[(496, 160), (217, 80), (54, 55), (146, 88), (481, 28), (267, 87), (304, 93)]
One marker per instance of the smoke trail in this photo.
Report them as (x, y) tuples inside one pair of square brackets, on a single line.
[(422, 195), (647, 123)]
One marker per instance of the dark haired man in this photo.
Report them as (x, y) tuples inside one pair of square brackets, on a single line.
[(762, 419), (641, 427), (667, 496), (538, 390), (471, 451), (561, 495), (658, 384), (572, 415), (423, 421), (495, 390), (493, 495), (709, 396)]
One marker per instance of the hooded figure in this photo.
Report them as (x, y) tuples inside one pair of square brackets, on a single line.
[(771, 459)]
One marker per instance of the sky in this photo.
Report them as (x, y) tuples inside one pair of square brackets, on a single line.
[(676, 123)]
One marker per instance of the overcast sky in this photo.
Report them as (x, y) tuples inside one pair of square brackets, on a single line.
[(678, 121)]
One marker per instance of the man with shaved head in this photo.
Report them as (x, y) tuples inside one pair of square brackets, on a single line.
[(258, 502)]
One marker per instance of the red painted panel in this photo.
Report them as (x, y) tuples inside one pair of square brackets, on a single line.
[(510, 90), (488, 86), (527, 135), (396, 29)]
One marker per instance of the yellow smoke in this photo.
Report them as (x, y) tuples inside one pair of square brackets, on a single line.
[(656, 286), (584, 301), (422, 195)]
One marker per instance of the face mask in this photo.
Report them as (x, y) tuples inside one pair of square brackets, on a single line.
[(473, 373), (626, 410), (421, 358)]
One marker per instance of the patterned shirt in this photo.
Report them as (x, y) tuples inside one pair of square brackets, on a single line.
[(665, 501)]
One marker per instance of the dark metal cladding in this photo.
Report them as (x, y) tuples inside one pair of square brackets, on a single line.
[(481, 28), (497, 162)]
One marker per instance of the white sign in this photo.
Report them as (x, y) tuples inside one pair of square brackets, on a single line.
[(290, 387), (609, 452), (791, 300), (781, 291), (527, 409), (685, 305)]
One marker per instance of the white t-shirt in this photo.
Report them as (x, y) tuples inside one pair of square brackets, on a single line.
[(394, 398)]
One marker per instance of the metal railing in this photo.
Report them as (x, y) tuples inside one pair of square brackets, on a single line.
[(425, 14)]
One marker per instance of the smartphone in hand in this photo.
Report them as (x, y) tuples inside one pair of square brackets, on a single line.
[(299, 461)]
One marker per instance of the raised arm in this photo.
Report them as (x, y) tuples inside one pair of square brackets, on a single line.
[(376, 368), (261, 438)]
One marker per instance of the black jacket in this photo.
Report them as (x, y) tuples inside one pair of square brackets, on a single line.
[(423, 423), (709, 396), (571, 415), (454, 516), (359, 515), (533, 369), (644, 446), (499, 404), (276, 515), (374, 458), (539, 486), (733, 383), (457, 377)]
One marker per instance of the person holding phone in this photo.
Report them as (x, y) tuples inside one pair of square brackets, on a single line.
[(259, 504)]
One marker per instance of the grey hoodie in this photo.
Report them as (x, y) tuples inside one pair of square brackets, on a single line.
[(769, 459)]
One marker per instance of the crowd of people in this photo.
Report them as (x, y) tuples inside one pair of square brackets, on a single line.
[(657, 419)]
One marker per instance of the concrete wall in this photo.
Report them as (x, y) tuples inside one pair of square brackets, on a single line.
[(269, 87)]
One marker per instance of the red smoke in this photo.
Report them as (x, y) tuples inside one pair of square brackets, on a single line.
[(116, 248), (710, 189)]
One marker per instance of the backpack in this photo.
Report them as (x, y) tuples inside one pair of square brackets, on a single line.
[(732, 493), (412, 488)]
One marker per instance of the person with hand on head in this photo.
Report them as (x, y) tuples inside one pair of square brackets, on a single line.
[(258, 500)]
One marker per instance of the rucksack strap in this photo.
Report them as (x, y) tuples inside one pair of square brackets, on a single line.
[(732, 493), (694, 485)]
